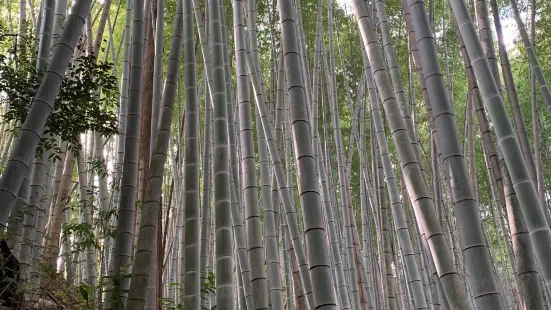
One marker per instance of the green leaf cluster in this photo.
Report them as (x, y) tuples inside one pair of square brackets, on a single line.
[(86, 102)]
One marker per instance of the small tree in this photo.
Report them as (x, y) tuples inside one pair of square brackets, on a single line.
[(86, 100)]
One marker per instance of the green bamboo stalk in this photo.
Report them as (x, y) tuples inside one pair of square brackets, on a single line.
[(144, 256), (128, 187), (475, 250), (540, 233), (417, 187), (221, 160), (323, 293)]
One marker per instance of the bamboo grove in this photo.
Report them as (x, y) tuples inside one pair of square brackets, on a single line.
[(263, 154)]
